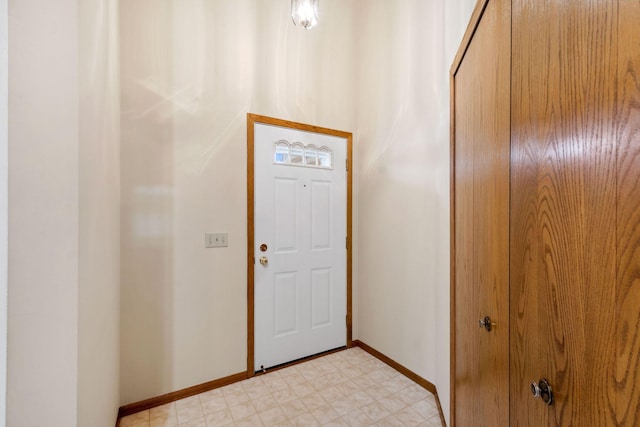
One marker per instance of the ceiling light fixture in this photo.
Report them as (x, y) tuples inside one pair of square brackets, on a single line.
[(305, 13)]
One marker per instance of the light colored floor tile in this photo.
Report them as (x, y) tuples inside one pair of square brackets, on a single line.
[(139, 424), (361, 397), (321, 383), (379, 375), (336, 377), (305, 420), (236, 397), (325, 414), (188, 402), (331, 393), (164, 421), (357, 419), (425, 409), (314, 401), (303, 389), (134, 419), (264, 403), (163, 411), (252, 421), (392, 403), (390, 421), (349, 374), (394, 385), (219, 418), (375, 411), (409, 417), (336, 423), (275, 383), (344, 405), (294, 408), (213, 404), (347, 388), (210, 394), (377, 392), (272, 416), (242, 410), (257, 390), (284, 396), (196, 422), (163, 416), (364, 382), (189, 413), (435, 421)]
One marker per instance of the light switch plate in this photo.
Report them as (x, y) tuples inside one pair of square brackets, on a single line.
[(216, 240)]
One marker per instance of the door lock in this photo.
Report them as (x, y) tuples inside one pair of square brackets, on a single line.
[(264, 260), (487, 323), (542, 390)]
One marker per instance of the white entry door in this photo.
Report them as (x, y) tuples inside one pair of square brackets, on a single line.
[(300, 229)]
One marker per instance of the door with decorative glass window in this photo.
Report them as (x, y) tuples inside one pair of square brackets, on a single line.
[(300, 240)]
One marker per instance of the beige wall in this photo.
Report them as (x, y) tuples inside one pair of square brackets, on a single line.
[(402, 257), (3, 207), (63, 214), (190, 72), (99, 215), (43, 213)]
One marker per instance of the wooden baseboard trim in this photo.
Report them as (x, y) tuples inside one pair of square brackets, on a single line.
[(404, 371), (143, 405)]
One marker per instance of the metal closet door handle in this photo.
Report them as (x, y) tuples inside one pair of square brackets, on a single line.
[(487, 323), (264, 260), (542, 390)]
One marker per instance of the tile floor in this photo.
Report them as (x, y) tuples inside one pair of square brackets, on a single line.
[(347, 388)]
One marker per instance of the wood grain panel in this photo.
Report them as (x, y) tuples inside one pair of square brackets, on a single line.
[(464, 305), (563, 245), (481, 217), (626, 377)]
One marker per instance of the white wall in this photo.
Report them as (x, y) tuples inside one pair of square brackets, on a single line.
[(190, 72), (43, 213), (3, 207), (405, 50), (63, 214), (99, 215)]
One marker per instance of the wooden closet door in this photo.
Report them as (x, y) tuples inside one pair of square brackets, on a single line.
[(625, 386), (575, 226), (481, 223)]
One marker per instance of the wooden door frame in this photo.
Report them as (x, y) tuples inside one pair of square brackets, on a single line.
[(252, 119)]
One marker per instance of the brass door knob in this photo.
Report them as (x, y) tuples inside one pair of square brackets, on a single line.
[(264, 260)]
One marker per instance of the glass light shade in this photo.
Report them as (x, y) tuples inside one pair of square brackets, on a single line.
[(305, 13)]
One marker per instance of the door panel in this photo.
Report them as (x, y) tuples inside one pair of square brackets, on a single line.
[(481, 176), (321, 296), (300, 291), (626, 377), (284, 311), (320, 215), (285, 215), (563, 239)]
